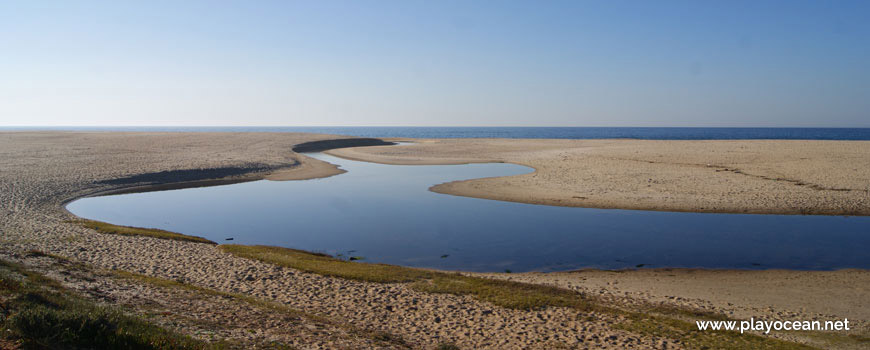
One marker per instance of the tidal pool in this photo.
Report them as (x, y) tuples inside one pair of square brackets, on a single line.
[(386, 214)]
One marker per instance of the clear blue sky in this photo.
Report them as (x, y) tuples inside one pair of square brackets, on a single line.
[(547, 63)]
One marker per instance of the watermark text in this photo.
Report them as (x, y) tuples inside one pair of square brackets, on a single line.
[(766, 326)]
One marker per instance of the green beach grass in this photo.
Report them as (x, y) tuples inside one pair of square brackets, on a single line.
[(666, 322), (108, 228), (507, 294), (658, 322), (38, 313), (687, 332), (326, 265)]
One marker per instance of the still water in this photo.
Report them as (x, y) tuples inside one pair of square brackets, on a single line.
[(385, 214)]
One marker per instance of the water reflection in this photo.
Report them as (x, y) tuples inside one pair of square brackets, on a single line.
[(385, 213)]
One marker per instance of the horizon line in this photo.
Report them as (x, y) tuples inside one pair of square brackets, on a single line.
[(426, 126)]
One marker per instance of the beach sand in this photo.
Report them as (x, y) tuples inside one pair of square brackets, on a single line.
[(745, 176), (41, 171)]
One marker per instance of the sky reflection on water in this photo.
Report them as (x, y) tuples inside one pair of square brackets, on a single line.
[(386, 214)]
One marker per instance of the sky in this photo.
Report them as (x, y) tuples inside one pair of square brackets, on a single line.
[(435, 63)]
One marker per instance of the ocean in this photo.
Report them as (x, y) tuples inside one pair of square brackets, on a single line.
[(646, 133)]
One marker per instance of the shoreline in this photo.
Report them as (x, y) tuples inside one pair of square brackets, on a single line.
[(34, 220), (717, 176), (324, 169), (305, 168)]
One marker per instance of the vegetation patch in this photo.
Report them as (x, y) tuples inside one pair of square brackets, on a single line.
[(513, 295), (662, 322), (839, 340), (326, 265), (103, 227), (507, 294), (379, 336), (688, 333), (39, 253), (38, 313)]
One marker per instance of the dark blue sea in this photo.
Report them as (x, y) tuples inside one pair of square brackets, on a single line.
[(527, 132)]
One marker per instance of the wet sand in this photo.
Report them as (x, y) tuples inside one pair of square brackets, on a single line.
[(40, 171)]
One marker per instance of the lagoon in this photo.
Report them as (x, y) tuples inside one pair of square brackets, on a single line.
[(386, 214)]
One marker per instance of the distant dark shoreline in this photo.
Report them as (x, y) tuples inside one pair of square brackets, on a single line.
[(643, 133)]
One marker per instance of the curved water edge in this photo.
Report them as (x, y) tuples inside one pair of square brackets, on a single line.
[(193, 178), (386, 214)]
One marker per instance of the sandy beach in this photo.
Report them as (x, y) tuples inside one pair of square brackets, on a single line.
[(746, 176), (41, 171)]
